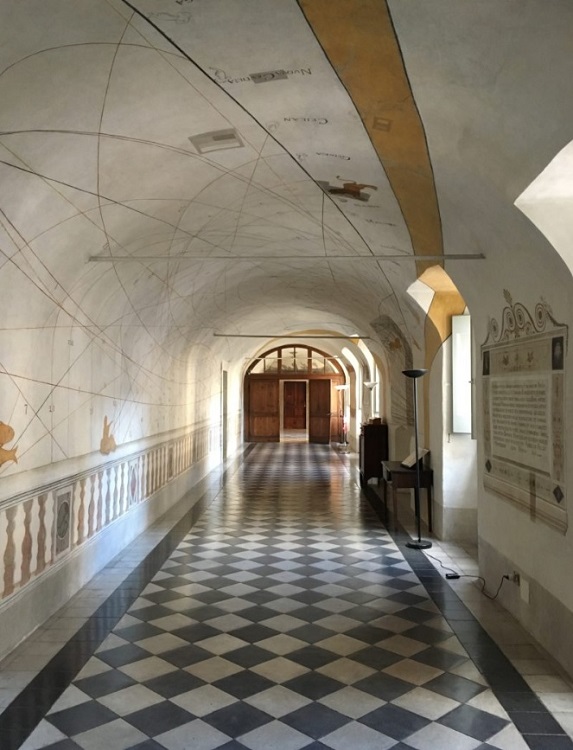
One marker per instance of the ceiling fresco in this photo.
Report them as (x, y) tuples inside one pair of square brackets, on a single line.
[(172, 169), (139, 147)]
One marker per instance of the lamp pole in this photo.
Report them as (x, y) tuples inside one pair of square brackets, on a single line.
[(418, 543)]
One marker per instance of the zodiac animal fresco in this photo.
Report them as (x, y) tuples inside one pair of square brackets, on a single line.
[(6, 436), (107, 443), (350, 189)]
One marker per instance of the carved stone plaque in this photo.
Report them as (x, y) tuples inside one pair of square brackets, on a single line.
[(523, 374)]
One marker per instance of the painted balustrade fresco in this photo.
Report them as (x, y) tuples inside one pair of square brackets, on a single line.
[(41, 528)]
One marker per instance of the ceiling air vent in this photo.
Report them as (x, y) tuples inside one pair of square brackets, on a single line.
[(216, 140)]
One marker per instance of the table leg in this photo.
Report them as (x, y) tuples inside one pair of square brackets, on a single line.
[(429, 492)]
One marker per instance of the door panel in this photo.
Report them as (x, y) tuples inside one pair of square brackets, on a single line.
[(319, 411), (336, 409), (263, 411), (294, 405)]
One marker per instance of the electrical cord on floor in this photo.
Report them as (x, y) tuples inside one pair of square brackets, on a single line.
[(455, 574)]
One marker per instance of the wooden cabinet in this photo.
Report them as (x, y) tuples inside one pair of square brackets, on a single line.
[(373, 449)]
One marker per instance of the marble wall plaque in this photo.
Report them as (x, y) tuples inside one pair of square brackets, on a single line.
[(523, 422)]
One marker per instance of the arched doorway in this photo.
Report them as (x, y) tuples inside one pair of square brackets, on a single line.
[(447, 424), (290, 393)]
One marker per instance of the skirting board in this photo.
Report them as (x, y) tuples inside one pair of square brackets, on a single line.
[(545, 617)]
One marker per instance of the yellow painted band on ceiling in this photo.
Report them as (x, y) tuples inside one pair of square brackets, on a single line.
[(360, 42)]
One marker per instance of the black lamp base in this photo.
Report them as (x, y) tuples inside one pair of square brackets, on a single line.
[(421, 544)]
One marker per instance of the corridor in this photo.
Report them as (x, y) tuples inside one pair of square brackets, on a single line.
[(279, 614)]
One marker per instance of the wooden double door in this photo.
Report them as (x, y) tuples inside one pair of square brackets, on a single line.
[(262, 402), (294, 405)]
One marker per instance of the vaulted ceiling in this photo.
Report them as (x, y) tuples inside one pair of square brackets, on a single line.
[(170, 169)]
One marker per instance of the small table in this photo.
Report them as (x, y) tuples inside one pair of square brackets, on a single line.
[(402, 477)]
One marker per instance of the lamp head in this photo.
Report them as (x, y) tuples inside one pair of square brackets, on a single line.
[(414, 373)]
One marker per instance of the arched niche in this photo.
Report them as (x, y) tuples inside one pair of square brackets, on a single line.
[(294, 387)]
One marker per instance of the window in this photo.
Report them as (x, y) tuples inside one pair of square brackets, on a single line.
[(295, 359), (461, 374)]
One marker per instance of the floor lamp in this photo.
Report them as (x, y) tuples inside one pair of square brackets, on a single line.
[(418, 543)]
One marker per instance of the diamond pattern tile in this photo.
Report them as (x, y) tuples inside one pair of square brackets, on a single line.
[(286, 617)]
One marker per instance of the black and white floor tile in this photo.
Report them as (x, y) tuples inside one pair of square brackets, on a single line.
[(287, 617)]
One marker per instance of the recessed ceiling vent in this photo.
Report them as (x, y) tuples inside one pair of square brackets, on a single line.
[(216, 140)]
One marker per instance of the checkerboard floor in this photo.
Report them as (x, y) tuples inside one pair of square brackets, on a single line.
[(287, 618)]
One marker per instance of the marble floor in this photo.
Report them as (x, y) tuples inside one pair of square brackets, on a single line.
[(272, 609), (294, 436)]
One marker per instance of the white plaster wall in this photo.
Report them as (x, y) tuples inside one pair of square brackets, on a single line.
[(454, 459), (486, 101), (540, 552), (62, 579), (548, 202)]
